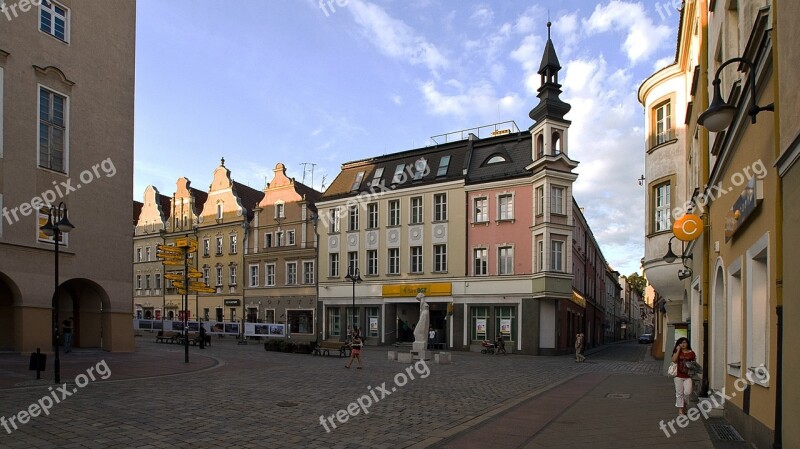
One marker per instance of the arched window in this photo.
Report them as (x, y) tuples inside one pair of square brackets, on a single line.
[(540, 145), (496, 159), (556, 143)]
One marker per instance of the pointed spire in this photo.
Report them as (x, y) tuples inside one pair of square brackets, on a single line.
[(222, 162), (550, 105)]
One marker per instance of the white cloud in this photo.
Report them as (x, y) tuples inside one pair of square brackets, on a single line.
[(397, 99), (393, 37), (529, 55), (479, 99), (643, 36), (663, 62), (482, 16)]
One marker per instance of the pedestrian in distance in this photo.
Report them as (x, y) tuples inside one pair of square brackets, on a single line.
[(202, 336), (67, 331), (579, 357), (355, 348), (682, 354), (501, 345), (431, 337)]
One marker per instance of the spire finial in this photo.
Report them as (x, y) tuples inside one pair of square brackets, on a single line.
[(222, 161), (548, 25)]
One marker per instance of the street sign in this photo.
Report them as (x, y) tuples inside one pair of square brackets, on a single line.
[(194, 274), (169, 249), (186, 243), (175, 263), (174, 276)]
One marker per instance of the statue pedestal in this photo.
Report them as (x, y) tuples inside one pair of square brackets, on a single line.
[(419, 346)]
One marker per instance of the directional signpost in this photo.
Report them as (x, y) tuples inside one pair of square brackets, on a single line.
[(178, 256)]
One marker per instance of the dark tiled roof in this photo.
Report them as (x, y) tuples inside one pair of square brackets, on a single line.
[(250, 197), (137, 210), (341, 187), (311, 195), (200, 198), (165, 202), (514, 148)]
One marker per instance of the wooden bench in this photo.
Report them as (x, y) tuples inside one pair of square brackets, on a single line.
[(194, 339), (166, 337), (326, 346)]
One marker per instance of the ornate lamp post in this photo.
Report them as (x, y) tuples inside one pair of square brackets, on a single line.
[(57, 215), (355, 278)]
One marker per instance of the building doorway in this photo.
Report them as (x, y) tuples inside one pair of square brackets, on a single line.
[(8, 296)]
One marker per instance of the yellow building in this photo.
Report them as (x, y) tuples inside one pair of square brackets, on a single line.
[(54, 97)]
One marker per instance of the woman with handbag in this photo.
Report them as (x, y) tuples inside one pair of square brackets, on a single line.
[(681, 354)]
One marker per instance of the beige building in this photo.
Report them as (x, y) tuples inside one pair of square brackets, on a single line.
[(280, 269), (148, 271), (66, 82)]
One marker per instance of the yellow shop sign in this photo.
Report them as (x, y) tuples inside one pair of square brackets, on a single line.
[(411, 290)]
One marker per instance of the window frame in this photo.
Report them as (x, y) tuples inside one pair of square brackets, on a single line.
[(557, 200), (440, 258), (507, 260), (415, 208), (254, 275), (53, 15), (444, 165), (483, 257), (440, 207), (394, 212), (560, 253), (307, 273), (393, 259), (352, 218), (509, 207), (270, 274), (416, 259), (372, 216), (484, 214), (372, 262), (50, 125), (291, 273), (333, 265)]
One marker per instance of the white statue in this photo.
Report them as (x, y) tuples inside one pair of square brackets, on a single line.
[(421, 331)]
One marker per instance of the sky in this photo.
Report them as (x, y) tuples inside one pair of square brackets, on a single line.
[(295, 81)]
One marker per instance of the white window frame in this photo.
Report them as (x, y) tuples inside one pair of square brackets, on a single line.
[(254, 275), (352, 262), (377, 176), (220, 212), (232, 275), (540, 200), (481, 254), (393, 258), (557, 201), (306, 273), (158, 281), (440, 207), (734, 318), (333, 265), (138, 282), (372, 262), (206, 246), (372, 215), (508, 213), (662, 135), (352, 218), (415, 210), (206, 275), (291, 273), (219, 276), (416, 259), (65, 17), (290, 237), (267, 240), (269, 274), (507, 260), (480, 215), (758, 308), (394, 213), (280, 210), (662, 200), (440, 258), (233, 241), (335, 217), (557, 258), (220, 244), (540, 251), (67, 102)]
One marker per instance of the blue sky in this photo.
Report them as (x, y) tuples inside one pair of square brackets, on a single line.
[(266, 81)]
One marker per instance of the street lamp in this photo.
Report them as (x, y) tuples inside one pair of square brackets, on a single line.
[(720, 114), (57, 215), (355, 278)]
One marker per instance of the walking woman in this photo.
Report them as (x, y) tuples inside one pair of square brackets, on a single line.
[(681, 354), (355, 349)]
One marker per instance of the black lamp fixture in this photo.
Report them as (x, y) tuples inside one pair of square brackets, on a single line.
[(57, 215), (355, 278), (720, 114), (671, 257)]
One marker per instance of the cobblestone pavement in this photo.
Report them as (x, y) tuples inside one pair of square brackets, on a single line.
[(243, 396)]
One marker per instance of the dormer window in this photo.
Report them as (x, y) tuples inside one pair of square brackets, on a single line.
[(420, 168), (376, 177), (495, 159), (444, 163), (398, 174), (357, 182)]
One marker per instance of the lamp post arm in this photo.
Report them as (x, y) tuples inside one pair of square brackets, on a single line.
[(754, 107)]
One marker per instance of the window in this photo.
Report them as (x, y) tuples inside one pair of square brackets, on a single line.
[(147, 281), (220, 213), (734, 317), (505, 256), (54, 20), (308, 272), (372, 215), (291, 273), (420, 169), (300, 321), (496, 159), (505, 205), (52, 130), (481, 262), (219, 276), (394, 260), (416, 259), (290, 238), (505, 322), (219, 245), (357, 182), (478, 318), (394, 213), (147, 253), (540, 200), (540, 254), (556, 255), (663, 122), (440, 207), (206, 246), (372, 262), (267, 240), (352, 262), (269, 274), (416, 210), (334, 323), (376, 177), (444, 163), (440, 258), (206, 275), (353, 219), (279, 211), (333, 269), (335, 219), (540, 145), (372, 321), (138, 254), (254, 275), (557, 200), (138, 282), (399, 177), (158, 281), (279, 238), (233, 244), (758, 311), (662, 205), (480, 211), (232, 272)]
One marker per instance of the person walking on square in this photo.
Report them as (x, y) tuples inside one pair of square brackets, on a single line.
[(355, 349), (67, 331), (431, 337), (500, 345), (681, 354), (579, 348), (202, 336)]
